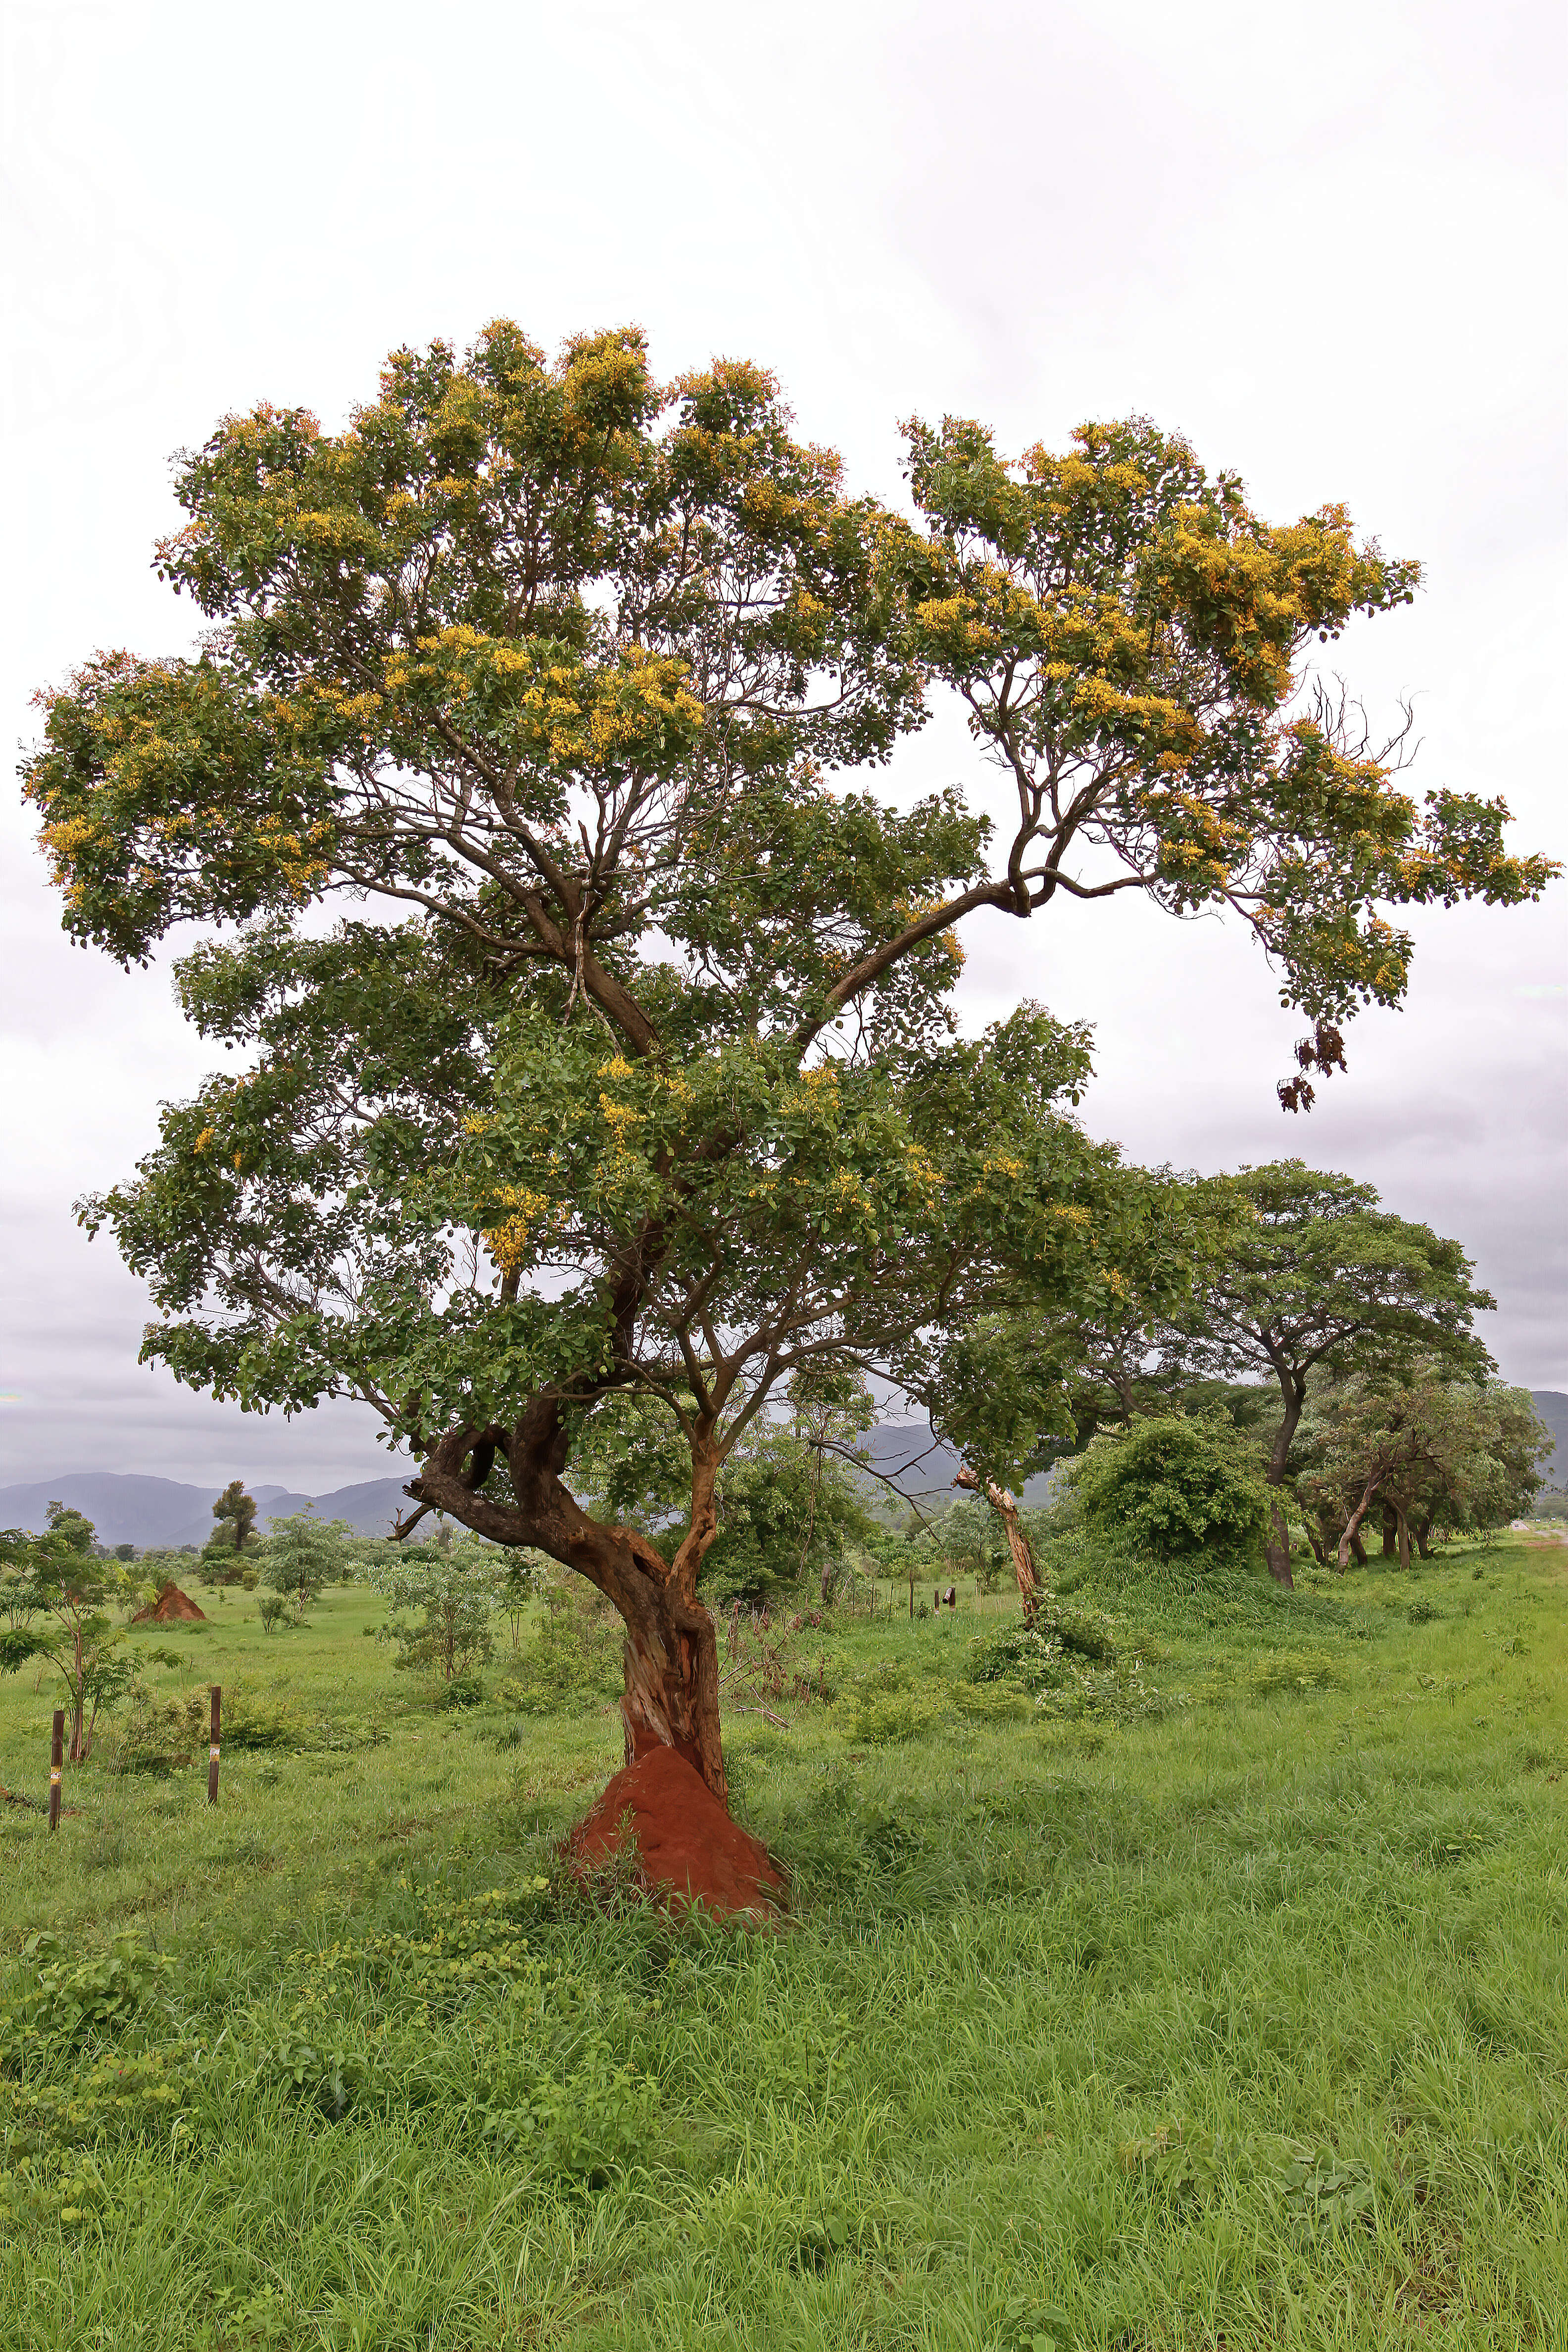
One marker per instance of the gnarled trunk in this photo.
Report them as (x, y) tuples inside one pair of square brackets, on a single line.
[(671, 1693), (1353, 1526)]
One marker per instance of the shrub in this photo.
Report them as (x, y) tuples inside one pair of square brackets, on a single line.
[(442, 1599), (274, 1610), (575, 1656), (300, 1555), (1174, 1489)]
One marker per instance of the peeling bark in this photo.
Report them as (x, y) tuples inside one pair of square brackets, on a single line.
[(1007, 1510)]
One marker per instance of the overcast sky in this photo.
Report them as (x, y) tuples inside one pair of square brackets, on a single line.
[(1324, 243)]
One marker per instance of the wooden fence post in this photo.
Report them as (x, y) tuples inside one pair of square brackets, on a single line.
[(57, 1760), (217, 1691)]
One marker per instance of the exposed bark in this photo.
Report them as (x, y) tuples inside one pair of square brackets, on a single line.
[(672, 1695), (1352, 1525), (1007, 1510), (1421, 1530), (1390, 1530), (1277, 1547), (1358, 1551), (1276, 1542)]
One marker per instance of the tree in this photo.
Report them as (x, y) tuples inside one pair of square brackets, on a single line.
[(235, 1512), (1424, 1446), (654, 1092), (786, 1503), (443, 1598), (1315, 1277), (830, 1407), (300, 1555), (59, 1593)]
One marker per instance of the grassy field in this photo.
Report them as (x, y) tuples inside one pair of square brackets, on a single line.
[(1232, 2011)]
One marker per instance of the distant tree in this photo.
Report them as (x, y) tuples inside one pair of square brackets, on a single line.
[(124, 1551), (235, 1512), (1314, 1276), (300, 1555), (60, 1592), (1425, 1448), (830, 1407)]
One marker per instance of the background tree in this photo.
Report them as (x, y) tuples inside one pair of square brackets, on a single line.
[(60, 1592), (235, 1512), (1423, 1447), (1317, 1278), (301, 1556), (830, 1408), (443, 1597), (656, 1092)]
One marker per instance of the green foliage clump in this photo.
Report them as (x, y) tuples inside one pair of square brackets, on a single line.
[(573, 1660), (1175, 1489), (443, 1598), (301, 1556), (889, 1710), (1068, 1660)]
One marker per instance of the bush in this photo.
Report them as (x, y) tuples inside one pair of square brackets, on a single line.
[(274, 1610), (300, 1555), (575, 1657), (1178, 1490), (442, 1599)]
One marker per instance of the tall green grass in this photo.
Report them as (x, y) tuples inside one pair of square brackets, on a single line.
[(1225, 2005)]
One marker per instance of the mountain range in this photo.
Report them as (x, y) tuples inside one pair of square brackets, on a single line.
[(125, 1508)]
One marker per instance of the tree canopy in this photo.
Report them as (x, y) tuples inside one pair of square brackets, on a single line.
[(656, 1088), (1315, 1276)]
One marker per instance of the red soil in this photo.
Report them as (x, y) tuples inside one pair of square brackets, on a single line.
[(688, 1848), (170, 1607)]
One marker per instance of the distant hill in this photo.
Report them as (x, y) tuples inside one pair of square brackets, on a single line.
[(127, 1508), (1553, 1407), (922, 1467)]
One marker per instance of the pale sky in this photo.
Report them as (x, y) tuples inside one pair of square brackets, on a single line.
[(1323, 243)]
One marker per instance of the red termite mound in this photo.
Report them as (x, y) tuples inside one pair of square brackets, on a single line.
[(170, 1607), (688, 1850)]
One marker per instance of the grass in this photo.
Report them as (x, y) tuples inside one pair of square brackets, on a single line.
[(1229, 2012)]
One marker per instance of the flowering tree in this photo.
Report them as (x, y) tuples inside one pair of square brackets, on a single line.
[(655, 1088)]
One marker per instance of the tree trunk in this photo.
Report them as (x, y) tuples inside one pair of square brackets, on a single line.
[(1277, 1547), (1421, 1530), (1352, 1525), (671, 1665), (1390, 1531), (1276, 1542), (1007, 1510), (80, 1743), (1403, 1526), (1358, 1551)]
